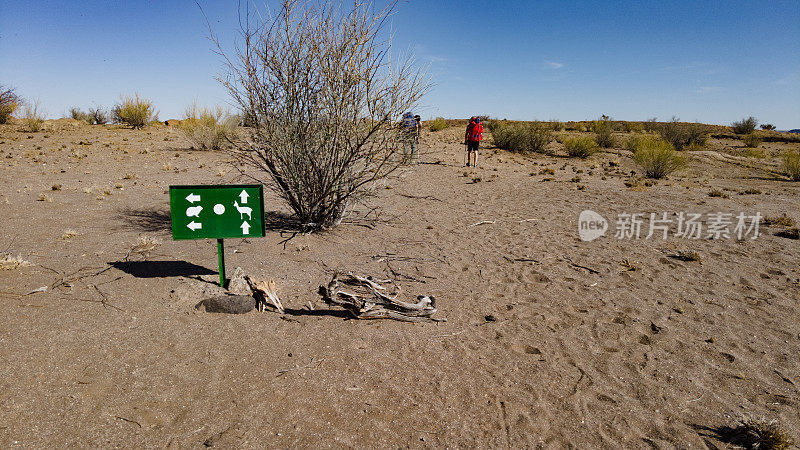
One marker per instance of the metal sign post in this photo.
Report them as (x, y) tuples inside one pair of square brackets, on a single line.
[(217, 212)]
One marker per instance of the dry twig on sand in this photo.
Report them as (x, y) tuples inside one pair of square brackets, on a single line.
[(371, 300)]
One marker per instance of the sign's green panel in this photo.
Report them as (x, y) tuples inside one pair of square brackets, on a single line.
[(217, 211)]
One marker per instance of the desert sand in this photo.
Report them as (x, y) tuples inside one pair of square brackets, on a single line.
[(549, 342)]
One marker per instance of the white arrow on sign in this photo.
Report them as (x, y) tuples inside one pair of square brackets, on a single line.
[(245, 228), (194, 225), (191, 198), (244, 196)]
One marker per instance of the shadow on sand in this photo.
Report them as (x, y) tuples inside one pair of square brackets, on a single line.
[(161, 269)]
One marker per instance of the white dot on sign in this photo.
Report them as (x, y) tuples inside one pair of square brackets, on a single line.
[(219, 208)]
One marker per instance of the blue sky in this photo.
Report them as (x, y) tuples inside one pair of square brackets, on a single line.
[(714, 62)]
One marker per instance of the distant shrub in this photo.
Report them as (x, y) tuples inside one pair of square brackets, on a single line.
[(98, 116), (791, 164), (77, 114), (32, 117), (134, 111), (767, 126), (632, 142), (603, 130), (556, 125), (9, 102), (438, 124), (206, 128), (682, 135), (657, 157), (752, 140), (580, 147), (521, 137), (651, 125), (632, 127), (745, 126)]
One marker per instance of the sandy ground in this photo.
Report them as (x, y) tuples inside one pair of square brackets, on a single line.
[(579, 350)]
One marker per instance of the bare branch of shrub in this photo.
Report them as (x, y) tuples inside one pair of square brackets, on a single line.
[(323, 96)]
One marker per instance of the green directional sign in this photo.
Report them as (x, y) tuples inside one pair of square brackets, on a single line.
[(217, 211)]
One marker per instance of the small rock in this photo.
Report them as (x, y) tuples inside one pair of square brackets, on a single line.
[(490, 318), (238, 284)]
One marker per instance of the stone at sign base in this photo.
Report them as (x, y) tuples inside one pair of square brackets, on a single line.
[(238, 284), (228, 304)]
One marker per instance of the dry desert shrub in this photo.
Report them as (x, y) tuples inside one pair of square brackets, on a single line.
[(77, 114), (683, 135), (143, 248), (752, 140), (9, 102), (689, 255), (324, 99), (745, 126), (583, 147), (520, 137), (438, 124), (657, 157), (556, 125), (206, 128), (97, 116), (767, 126), (134, 111), (604, 130), (791, 164)]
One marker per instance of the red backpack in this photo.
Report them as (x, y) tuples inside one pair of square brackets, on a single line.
[(475, 131)]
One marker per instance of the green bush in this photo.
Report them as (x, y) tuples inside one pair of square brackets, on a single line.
[(134, 111), (580, 147), (651, 125), (438, 124), (791, 164), (682, 135), (603, 130), (745, 126), (632, 142), (752, 140), (206, 128), (657, 157), (32, 117), (556, 125), (520, 137), (9, 102)]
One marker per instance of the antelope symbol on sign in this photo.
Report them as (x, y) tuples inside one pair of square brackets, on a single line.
[(243, 210)]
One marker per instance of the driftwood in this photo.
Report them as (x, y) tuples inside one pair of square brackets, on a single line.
[(369, 299)]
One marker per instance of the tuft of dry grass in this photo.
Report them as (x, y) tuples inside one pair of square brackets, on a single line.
[(69, 234), (779, 221), (8, 262), (717, 193), (32, 117), (143, 247), (689, 255)]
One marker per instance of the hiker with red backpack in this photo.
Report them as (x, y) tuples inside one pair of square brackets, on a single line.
[(472, 139)]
